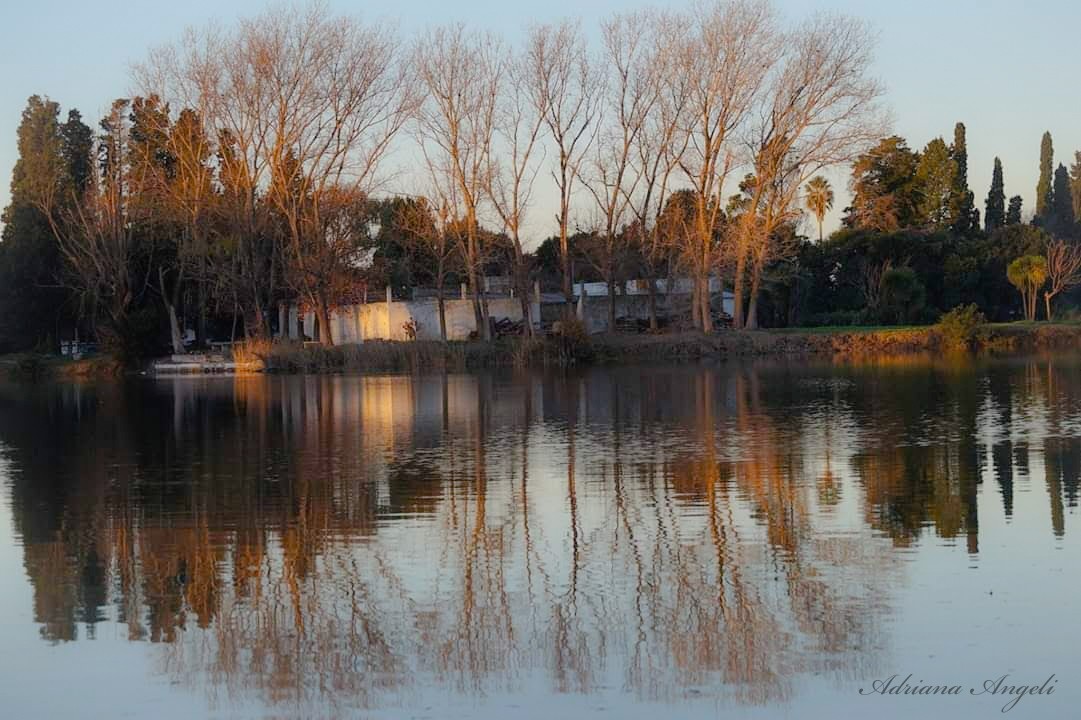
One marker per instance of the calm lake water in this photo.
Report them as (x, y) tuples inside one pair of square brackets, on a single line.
[(757, 540)]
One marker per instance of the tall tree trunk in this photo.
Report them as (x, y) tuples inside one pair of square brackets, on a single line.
[(707, 310), (737, 292), (521, 285), (611, 288), (696, 306), (200, 320), (174, 329), (1047, 303), (322, 316), (794, 301), (568, 279), (756, 284), (486, 316), (652, 304), (474, 297), (232, 331), (169, 299), (752, 306), (527, 319), (442, 313), (480, 304)]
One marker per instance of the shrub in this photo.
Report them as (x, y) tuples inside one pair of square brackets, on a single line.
[(572, 340), (252, 352), (524, 351), (961, 327)]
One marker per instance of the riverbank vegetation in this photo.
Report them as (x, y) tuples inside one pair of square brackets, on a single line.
[(957, 331), (960, 330), (251, 170)]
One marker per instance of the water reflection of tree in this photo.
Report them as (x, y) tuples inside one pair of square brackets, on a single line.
[(320, 540), (924, 464)]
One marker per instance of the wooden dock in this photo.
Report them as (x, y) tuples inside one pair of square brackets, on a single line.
[(202, 364)]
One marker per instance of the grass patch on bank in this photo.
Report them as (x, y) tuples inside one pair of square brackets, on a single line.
[(32, 367), (390, 356), (574, 346), (844, 329), (617, 348)]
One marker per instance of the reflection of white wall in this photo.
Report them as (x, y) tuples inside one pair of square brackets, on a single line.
[(383, 321)]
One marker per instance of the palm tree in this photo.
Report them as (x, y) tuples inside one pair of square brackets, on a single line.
[(1028, 273), (819, 199)]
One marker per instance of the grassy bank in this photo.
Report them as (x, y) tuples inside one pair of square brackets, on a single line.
[(376, 355), (837, 341), (389, 356), (622, 348), (34, 366)]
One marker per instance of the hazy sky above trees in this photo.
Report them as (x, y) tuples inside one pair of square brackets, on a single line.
[(1002, 68)]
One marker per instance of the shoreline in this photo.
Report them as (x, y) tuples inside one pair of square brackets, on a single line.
[(613, 349)]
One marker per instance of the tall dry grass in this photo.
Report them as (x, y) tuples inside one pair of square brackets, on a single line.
[(371, 356), (406, 356)]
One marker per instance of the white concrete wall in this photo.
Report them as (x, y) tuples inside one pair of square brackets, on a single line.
[(373, 321)]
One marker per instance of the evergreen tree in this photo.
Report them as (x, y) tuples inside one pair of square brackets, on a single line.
[(965, 216), (1075, 183), (1013, 213), (936, 179), (884, 192), (1060, 220), (995, 215), (31, 301), (1043, 186), (77, 147)]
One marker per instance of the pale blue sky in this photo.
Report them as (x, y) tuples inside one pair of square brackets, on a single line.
[(1004, 68)]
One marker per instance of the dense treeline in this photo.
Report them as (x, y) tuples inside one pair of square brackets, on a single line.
[(253, 167), (248, 169), (911, 245)]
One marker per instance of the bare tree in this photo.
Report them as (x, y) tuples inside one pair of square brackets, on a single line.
[(208, 72), (518, 126), (338, 93), (565, 88), (96, 232), (431, 230), (820, 109), (304, 105), (1063, 270), (631, 91), (726, 55), (460, 73), (659, 147), (174, 194), (193, 198)]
